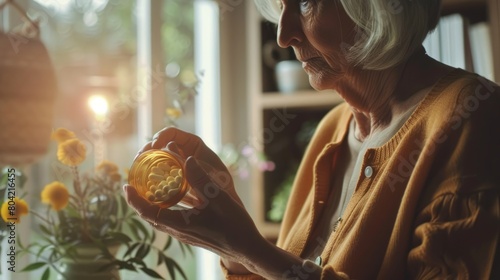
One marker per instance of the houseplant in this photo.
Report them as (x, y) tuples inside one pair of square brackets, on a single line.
[(81, 231)]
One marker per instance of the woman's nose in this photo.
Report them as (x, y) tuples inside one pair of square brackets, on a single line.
[(289, 27)]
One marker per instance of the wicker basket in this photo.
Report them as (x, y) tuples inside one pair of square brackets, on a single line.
[(28, 90)]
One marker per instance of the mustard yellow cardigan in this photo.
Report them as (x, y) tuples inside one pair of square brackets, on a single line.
[(431, 207)]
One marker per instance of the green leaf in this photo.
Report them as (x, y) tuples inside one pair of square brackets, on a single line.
[(126, 265), (143, 251), (185, 247), (42, 248), (160, 258), (179, 268), (21, 245), (45, 230), (124, 206), (104, 250), (151, 273), (175, 266), (130, 249), (46, 274), (137, 261), (121, 237), (141, 227), (153, 236), (170, 266), (135, 231), (168, 243), (33, 266)]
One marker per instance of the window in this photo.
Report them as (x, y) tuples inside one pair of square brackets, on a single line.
[(125, 62)]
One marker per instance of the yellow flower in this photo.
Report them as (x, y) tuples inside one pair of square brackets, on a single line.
[(115, 177), (14, 216), (107, 167), (71, 152), (173, 112), (56, 194), (62, 134)]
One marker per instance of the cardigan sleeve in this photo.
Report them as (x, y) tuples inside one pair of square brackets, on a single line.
[(327, 274), (456, 237)]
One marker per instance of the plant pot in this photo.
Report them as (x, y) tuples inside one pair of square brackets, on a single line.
[(86, 266)]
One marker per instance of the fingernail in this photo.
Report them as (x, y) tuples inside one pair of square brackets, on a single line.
[(136, 156), (192, 163)]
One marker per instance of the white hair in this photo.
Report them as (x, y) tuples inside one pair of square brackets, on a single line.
[(389, 31)]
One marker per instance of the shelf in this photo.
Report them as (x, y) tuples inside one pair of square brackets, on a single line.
[(463, 4), (300, 99), (474, 10)]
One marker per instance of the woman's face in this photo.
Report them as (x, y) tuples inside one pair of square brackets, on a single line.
[(319, 32)]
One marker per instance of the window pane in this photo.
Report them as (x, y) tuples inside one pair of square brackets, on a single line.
[(93, 46)]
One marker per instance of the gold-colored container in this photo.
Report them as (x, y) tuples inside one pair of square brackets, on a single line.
[(158, 177)]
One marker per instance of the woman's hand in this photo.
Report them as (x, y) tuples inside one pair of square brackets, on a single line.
[(221, 223), (186, 144)]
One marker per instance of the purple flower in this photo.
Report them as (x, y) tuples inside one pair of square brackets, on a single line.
[(247, 151), (243, 173)]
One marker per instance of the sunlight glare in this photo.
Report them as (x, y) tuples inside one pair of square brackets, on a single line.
[(99, 105)]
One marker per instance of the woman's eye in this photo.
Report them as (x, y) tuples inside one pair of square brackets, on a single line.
[(305, 3)]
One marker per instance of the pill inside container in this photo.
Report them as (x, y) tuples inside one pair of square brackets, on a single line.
[(158, 176)]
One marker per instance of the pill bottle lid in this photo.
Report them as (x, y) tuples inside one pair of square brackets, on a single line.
[(142, 167)]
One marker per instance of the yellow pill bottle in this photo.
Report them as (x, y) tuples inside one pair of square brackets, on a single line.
[(158, 177)]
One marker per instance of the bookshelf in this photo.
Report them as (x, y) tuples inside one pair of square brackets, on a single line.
[(474, 9), (477, 11), (266, 105), (264, 100), (494, 22)]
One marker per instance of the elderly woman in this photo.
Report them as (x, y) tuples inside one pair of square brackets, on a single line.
[(401, 181)]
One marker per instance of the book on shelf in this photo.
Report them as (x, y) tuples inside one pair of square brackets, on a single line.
[(459, 44), (447, 43), (482, 52)]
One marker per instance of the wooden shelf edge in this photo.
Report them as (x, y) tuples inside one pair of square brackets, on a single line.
[(300, 99), (462, 4), (474, 10)]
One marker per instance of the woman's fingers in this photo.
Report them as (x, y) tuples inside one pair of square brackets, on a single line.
[(209, 184), (144, 209), (144, 148), (149, 212), (188, 145), (196, 176), (187, 141), (172, 146)]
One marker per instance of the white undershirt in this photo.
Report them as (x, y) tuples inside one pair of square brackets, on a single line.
[(350, 165)]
